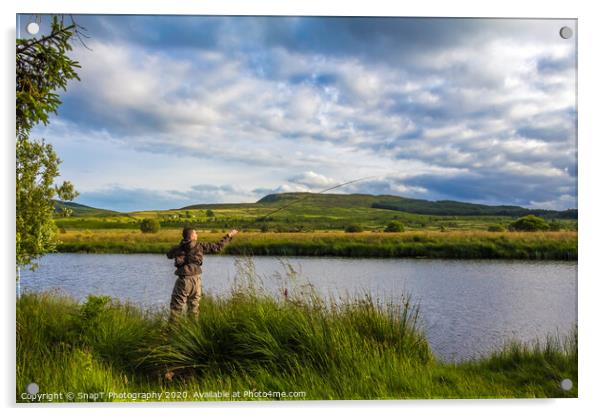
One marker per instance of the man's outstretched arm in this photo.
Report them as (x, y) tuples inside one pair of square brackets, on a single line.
[(173, 252), (217, 247)]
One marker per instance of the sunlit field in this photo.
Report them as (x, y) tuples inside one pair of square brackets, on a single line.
[(558, 245)]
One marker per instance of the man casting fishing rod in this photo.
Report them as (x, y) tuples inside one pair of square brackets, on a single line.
[(188, 259)]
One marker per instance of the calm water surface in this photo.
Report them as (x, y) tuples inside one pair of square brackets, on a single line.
[(468, 308)]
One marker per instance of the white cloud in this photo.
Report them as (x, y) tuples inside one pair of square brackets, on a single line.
[(502, 104), (313, 180)]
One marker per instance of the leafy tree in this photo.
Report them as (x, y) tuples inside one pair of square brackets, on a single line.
[(42, 67), (394, 227), (209, 213), (37, 167), (529, 223), (150, 225)]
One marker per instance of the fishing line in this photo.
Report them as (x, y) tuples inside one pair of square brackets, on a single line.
[(311, 194)]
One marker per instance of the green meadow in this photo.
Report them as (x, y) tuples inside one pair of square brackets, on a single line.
[(315, 225), (319, 212), (561, 245)]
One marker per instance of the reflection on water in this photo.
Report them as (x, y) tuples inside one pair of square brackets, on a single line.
[(467, 307)]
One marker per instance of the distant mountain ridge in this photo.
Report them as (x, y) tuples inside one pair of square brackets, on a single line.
[(80, 210), (395, 203)]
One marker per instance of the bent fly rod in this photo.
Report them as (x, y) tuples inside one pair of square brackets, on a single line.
[(309, 195)]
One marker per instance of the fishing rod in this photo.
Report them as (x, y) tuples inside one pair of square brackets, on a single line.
[(310, 194)]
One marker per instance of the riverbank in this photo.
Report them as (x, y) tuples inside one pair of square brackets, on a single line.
[(561, 245), (254, 344)]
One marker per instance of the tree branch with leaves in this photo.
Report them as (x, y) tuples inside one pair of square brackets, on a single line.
[(42, 68)]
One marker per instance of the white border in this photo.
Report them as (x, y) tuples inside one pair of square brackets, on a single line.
[(589, 194)]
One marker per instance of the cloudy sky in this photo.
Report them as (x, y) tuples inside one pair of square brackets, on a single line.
[(172, 111)]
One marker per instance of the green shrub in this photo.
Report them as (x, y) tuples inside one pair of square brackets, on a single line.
[(93, 307), (555, 226), (354, 228), (496, 228), (394, 227), (150, 225), (529, 223)]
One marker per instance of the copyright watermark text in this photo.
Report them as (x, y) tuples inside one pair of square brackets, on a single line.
[(128, 396)]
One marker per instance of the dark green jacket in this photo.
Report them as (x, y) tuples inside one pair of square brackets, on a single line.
[(188, 255)]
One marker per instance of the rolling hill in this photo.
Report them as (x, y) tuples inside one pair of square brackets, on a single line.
[(79, 210), (311, 202)]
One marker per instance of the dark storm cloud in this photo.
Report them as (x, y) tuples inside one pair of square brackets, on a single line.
[(480, 187), (154, 32), (392, 39), (325, 35), (489, 187)]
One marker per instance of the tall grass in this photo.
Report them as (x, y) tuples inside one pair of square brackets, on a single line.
[(429, 244), (250, 341)]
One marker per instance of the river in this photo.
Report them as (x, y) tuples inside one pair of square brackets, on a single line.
[(467, 307)]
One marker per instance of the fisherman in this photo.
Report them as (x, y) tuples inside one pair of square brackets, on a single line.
[(188, 258)]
